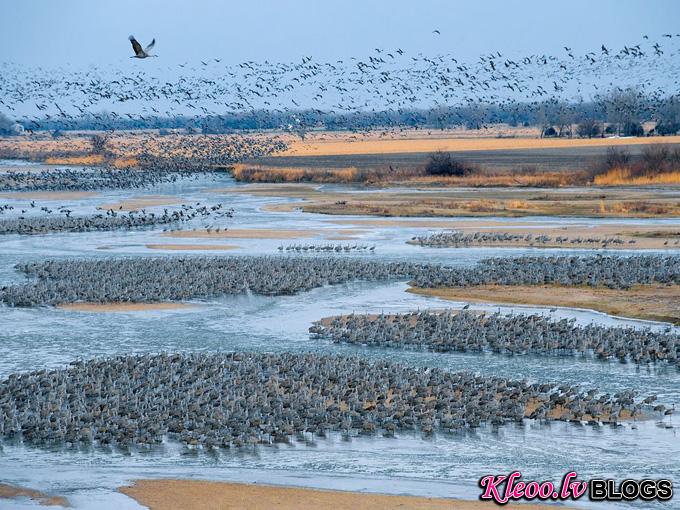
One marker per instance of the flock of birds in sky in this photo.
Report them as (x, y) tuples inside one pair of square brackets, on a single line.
[(388, 80)]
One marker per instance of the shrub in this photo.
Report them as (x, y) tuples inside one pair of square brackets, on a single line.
[(655, 157), (441, 163), (616, 158)]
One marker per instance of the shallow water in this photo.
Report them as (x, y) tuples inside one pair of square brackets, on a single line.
[(443, 465)]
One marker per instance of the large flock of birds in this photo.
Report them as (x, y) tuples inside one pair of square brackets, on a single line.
[(85, 179), (446, 331), (327, 248), (387, 81), (460, 239), (236, 399), (613, 272), (183, 278), (108, 221)]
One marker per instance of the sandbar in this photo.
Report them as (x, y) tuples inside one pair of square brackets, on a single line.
[(121, 307), (649, 302), (205, 495), (192, 247), (12, 491)]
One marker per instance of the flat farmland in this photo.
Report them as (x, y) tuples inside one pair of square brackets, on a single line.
[(564, 158)]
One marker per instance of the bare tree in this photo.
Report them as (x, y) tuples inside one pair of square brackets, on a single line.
[(588, 129)]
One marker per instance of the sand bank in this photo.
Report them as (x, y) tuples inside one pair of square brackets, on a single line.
[(12, 492), (649, 302), (204, 495), (440, 202), (122, 307), (198, 247), (246, 234), (634, 236)]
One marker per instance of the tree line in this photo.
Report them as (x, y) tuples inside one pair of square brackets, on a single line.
[(621, 112)]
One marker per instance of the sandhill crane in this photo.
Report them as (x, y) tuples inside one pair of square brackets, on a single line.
[(139, 52)]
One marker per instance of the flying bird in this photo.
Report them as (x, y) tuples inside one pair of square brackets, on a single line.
[(139, 52), (436, 32)]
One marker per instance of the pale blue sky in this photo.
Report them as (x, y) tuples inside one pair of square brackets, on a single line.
[(82, 32)]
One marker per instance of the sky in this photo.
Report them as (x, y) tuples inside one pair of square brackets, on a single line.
[(83, 32)]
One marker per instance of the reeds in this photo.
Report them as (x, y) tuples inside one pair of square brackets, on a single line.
[(625, 177)]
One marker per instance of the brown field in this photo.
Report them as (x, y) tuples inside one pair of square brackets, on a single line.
[(12, 492), (509, 158), (331, 144), (443, 202), (539, 167), (121, 307), (649, 302), (205, 495)]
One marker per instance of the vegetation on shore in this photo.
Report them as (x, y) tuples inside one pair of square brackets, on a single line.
[(658, 164)]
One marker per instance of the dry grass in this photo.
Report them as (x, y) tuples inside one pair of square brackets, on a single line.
[(92, 160), (649, 302), (483, 207), (260, 173), (625, 177), (386, 175), (346, 175), (639, 207), (480, 180)]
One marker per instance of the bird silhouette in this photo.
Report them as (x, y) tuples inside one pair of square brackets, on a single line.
[(139, 52)]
